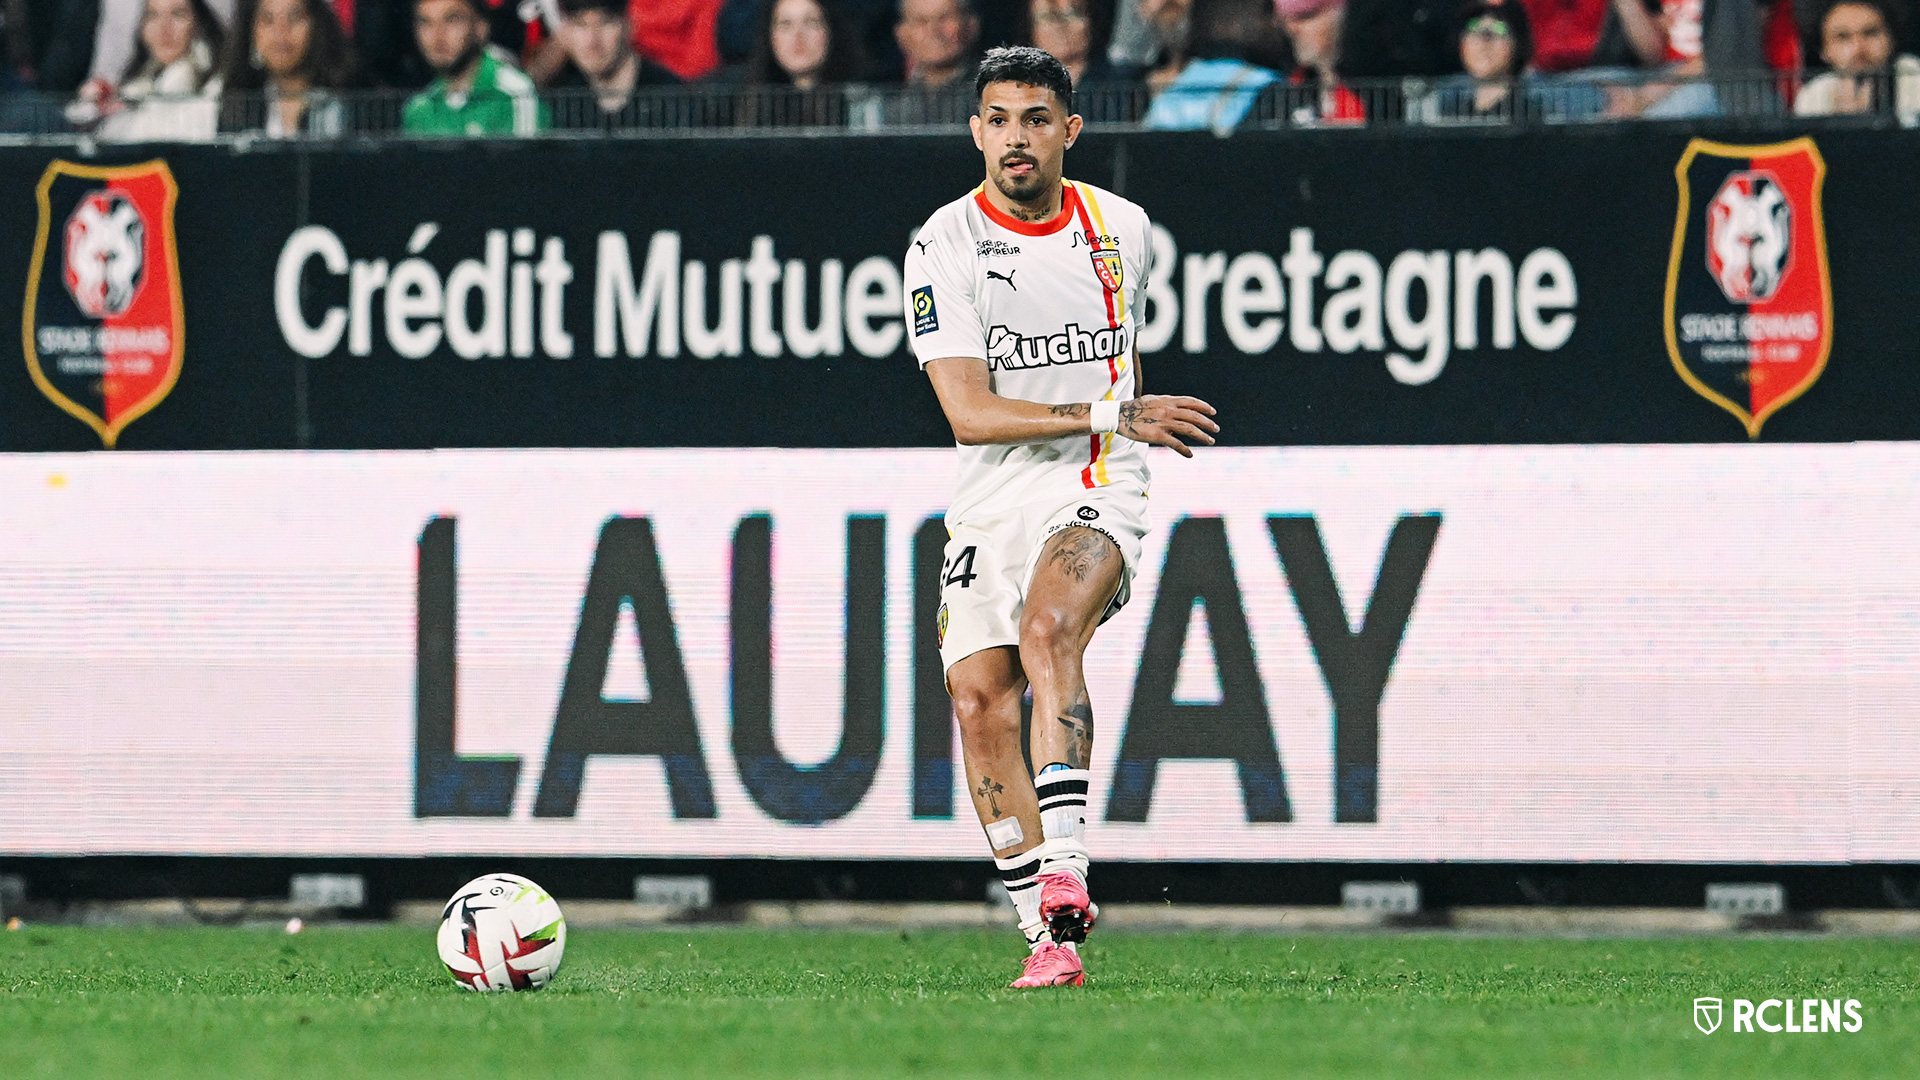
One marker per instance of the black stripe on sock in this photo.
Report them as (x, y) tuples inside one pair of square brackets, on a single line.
[(1061, 787), (1019, 872), (1029, 884)]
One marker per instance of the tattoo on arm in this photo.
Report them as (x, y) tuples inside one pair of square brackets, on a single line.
[(1079, 724), (990, 791), (1077, 408)]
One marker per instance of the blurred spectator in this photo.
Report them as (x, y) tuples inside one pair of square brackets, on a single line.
[(679, 35), (1857, 43), (805, 44), (116, 34), (163, 96), (477, 89), (1219, 86), (1318, 95), (1076, 32), (388, 50), (1170, 22), (1496, 44), (938, 39), (1671, 38), (1683, 42), (286, 64), (872, 22), (806, 53), (609, 77)]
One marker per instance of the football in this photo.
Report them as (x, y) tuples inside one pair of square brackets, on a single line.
[(502, 932)]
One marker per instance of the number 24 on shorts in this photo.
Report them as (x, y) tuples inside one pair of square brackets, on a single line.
[(959, 569)]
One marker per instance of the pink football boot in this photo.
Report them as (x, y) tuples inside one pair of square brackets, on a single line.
[(1051, 965), (1065, 907)]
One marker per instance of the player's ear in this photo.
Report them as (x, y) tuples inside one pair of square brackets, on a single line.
[(973, 122), (1074, 124)]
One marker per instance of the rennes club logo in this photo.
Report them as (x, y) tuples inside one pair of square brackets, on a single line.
[(104, 343), (1749, 236), (105, 253), (1749, 308)]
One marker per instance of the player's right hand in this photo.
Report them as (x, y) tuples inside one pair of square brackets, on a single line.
[(1168, 421)]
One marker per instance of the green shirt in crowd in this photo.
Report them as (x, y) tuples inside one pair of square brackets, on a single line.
[(501, 101)]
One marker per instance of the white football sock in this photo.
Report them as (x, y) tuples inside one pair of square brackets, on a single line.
[(1018, 871), (1063, 819)]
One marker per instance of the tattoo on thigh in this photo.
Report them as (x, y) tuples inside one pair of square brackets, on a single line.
[(990, 791), (1080, 552), (1079, 724)]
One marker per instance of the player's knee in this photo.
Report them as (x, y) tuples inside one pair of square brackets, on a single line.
[(1047, 632), (990, 736), (984, 718)]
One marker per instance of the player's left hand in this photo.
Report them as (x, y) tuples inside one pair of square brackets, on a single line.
[(1169, 421)]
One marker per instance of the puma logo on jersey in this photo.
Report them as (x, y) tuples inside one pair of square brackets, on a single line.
[(1006, 277), (922, 245), (1072, 345)]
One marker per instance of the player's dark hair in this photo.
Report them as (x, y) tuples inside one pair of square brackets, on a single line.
[(1028, 65)]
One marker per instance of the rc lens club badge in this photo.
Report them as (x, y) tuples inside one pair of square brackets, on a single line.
[(1106, 265), (103, 324), (1749, 308)]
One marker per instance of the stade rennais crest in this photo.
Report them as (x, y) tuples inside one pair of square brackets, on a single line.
[(103, 324), (1749, 309)]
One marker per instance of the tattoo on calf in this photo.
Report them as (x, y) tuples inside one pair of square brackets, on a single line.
[(1079, 724), (990, 791)]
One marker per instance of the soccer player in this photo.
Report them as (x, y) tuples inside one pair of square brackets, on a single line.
[(1022, 297)]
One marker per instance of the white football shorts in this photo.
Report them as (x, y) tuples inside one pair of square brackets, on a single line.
[(989, 563)]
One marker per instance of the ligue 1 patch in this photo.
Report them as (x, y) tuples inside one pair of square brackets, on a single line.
[(1749, 309), (941, 627), (103, 324), (1106, 264), (925, 319)]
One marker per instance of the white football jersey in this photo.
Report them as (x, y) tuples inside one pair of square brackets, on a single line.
[(1051, 307)]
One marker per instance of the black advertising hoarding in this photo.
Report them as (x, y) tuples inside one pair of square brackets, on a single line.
[(696, 292)]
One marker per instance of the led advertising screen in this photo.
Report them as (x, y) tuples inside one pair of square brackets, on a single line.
[(1515, 653)]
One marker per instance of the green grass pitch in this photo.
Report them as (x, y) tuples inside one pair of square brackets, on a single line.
[(341, 1002)]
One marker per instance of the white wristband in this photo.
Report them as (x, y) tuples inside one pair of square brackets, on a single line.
[(1106, 417)]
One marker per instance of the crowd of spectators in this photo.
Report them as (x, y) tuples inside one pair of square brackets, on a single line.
[(188, 69)]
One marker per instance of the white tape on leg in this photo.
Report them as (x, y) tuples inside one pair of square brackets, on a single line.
[(1005, 833)]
